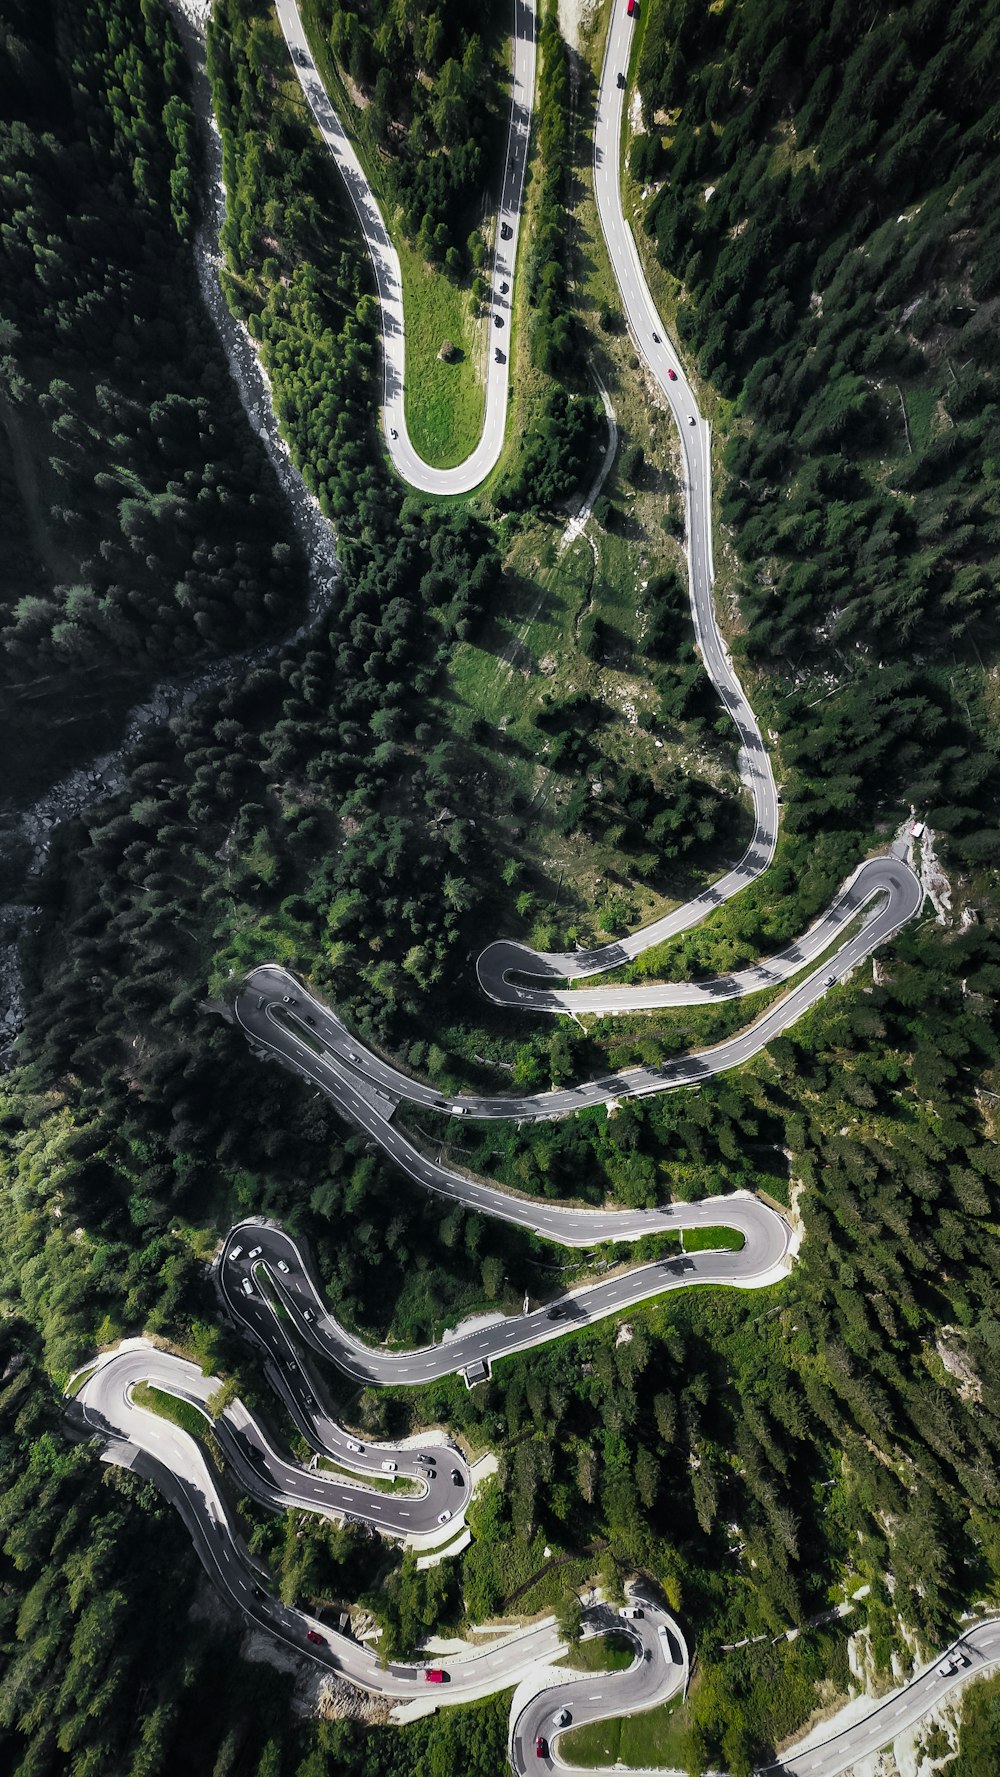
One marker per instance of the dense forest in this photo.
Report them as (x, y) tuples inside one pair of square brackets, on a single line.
[(423, 81), (141, 524), (756, 1455)]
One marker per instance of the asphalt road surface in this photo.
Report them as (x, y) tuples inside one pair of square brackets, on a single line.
[(281, 1017), (170, 1457), (271, 1476), (763, 1259), (888, 877), (646, 329), (385, 260), (658, 1672)]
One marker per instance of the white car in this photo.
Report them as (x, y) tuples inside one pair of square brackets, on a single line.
[(307, 1314), (236, 1252), (255, 1252), (561, 1719), (247, 1287), (458, 1110), (629, 1610), (282, 1266), (443, 1517), (389, 1468), (352, 1444), (691, 419)]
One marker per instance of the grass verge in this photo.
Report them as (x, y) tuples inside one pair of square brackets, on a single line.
[(657, 1737), (601, 1653)]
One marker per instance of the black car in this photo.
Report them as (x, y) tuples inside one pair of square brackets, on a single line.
[(621, 80), (505, 231), (456, 1475), (498, 320), (557, 1312)]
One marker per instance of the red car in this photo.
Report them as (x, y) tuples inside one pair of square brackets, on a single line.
[(672, 375), (540, 1746), (433, 1675), (314, 1635), (633, 7)]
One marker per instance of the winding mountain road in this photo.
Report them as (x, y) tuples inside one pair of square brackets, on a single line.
[(263, 1275), (763, 1259), (388, 274)]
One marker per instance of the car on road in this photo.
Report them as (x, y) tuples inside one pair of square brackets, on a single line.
[(456, 1475), (562, 1718), (505, 231), (260, 1002), (629, 1610), (621, 80), (443, 1517), (422, 1458), (541, 1744), (313, 1635), (307, 1314), (236, 1252), (498, 320), (831, 981), (632, 8), (504, 288), (352, 1444), (247, 1286), (255, 1252), (657, 340), (433, 1675), (690, 419), (458, 1110), (309, 1018), (282, 1266), (672, 375), (557, 1312), (498, 356), (389, 1467)]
